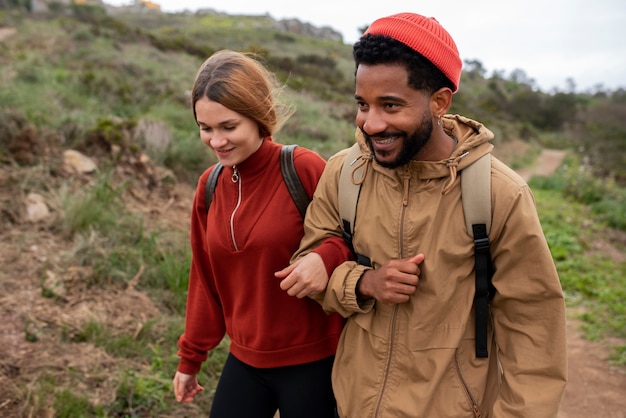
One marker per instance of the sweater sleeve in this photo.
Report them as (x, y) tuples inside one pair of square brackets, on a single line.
[(334, 252), (204, 322), (310, 166)]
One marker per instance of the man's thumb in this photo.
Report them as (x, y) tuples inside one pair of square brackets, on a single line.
[(417, 259)]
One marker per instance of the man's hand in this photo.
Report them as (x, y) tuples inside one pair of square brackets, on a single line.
[(394, 282), (186, 387), (307, 276)]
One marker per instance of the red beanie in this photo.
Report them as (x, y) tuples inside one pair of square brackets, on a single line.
[(426, 36)]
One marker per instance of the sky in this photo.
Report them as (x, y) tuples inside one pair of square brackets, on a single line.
[(552, 41)]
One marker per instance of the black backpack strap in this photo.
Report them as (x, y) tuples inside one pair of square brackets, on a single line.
[(210, 185), (484, 288), (296, 189)]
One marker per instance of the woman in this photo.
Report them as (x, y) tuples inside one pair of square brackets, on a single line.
[(282, 347)]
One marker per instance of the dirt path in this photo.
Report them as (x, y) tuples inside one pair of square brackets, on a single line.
[(547, 162), (595, 389)]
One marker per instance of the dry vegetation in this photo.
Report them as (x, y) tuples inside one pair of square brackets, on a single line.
[(53, 312)]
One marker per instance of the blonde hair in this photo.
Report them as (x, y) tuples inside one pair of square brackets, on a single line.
[(239, 82)]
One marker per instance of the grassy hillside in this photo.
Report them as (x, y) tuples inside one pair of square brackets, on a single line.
[(94, 295)]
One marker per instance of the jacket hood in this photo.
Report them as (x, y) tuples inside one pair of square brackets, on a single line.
[(474, 138), (474, 141)]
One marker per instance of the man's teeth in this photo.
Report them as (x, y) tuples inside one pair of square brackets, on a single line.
[(387, 140)]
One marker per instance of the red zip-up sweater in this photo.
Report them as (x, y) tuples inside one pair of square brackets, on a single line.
[(252, 229)]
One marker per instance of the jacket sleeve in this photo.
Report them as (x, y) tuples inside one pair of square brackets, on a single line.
[(323, 234), (528, 313), (204, 321), (310, 166)]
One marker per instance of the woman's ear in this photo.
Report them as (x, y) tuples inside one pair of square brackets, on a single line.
[(440, 101)]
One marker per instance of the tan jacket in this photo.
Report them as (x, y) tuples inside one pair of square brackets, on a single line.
[(417, 359)]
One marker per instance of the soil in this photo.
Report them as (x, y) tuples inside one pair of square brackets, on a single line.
[(32, 330)]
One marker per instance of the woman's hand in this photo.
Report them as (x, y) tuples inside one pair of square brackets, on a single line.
[(186, 387), (307, 276)]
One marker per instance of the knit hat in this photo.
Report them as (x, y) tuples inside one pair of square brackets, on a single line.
[(426, 36)]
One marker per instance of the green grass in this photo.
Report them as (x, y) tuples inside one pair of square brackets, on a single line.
[(322, 127), (69, 405), (591, 280), (96, 207)]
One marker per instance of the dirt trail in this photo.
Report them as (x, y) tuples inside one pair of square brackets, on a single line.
[(547, 162), (595, 389)]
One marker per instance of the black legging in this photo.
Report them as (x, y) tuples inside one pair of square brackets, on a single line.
[(301, 391)]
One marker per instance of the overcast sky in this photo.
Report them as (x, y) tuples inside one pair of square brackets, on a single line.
[(550, 40)]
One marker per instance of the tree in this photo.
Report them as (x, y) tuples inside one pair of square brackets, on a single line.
[(474, 69)]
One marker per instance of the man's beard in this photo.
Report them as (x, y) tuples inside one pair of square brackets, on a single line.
[(411, 145)]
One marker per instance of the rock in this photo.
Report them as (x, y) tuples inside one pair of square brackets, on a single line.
[(154, 136), (75, 162), (36, 208)]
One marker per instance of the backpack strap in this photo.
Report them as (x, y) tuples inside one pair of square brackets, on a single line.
[(476, 193), (210, 185), (348, 193), (476, 196), (296, 189), (290, 175)]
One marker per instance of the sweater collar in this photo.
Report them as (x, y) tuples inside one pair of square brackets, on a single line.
[(256, 162)]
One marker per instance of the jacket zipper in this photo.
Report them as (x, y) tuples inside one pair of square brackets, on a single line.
[(235, 179), (392, 333), (405, 202), (475, 407)]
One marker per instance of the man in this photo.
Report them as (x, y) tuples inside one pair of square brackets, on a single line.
[(408, 348)]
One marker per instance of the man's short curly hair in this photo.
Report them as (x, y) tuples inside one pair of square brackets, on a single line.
[(380, 49)]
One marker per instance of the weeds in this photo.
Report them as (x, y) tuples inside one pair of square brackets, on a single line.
[(69, 405), (572, 221), (605, 197), (97, 207)]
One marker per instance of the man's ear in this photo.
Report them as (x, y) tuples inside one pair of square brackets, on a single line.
[(440, 101)]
